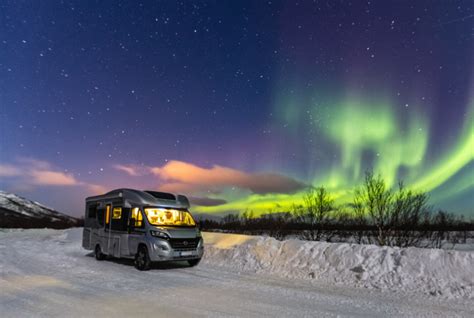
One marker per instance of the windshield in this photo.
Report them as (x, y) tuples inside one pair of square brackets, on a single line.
[(169, 217)]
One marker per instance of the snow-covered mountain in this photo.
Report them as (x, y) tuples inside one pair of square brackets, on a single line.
[(18, 212)]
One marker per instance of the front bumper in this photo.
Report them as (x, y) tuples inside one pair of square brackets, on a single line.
[(161, 251)]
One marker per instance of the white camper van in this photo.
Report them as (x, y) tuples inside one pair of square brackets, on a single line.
[(146, 226)]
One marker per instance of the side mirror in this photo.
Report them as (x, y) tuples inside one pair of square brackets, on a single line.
[(131, 224)]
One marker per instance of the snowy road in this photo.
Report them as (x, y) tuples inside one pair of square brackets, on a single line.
[(47, 273)]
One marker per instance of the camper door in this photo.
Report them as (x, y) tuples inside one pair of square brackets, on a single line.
[(136, 229)]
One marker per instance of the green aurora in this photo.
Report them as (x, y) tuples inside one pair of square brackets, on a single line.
[(369, 135)]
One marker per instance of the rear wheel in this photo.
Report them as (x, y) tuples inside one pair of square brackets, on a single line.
[(98, 253), (142, 259), (194, 262)]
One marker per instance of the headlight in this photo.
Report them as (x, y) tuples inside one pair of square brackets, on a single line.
[(159, 234), (198, 233)]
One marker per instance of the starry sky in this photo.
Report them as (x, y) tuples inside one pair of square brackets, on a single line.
[(238, 104)]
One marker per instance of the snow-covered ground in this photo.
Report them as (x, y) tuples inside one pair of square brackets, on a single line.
[(47, 273)]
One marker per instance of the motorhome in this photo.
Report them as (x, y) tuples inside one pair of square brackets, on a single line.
[(146, 226)]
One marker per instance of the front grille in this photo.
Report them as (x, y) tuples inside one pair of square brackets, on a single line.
[(184, 243), (185, 249)]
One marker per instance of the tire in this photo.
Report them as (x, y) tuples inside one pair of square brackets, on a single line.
[(194, 262), (98, 253), (142, 259)]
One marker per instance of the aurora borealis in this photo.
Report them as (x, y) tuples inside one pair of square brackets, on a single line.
[(240, 105)]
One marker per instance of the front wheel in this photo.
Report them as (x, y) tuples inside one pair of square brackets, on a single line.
[(142, 259), (194, 262), (98, 253)]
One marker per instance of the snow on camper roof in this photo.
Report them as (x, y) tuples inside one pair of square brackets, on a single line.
[(150, 198)]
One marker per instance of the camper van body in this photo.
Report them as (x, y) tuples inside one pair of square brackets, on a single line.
[(118, 224)]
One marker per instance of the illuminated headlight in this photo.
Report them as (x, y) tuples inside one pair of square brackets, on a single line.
[(159, 234)]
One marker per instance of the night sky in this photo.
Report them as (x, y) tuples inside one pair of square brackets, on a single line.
[(238, 104)]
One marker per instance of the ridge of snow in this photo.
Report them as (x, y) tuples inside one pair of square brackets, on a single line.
[(436, 272)]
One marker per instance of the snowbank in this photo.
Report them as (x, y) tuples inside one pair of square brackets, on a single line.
[(434, 272)]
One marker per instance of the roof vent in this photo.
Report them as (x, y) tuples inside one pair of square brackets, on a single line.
[(162, 195)]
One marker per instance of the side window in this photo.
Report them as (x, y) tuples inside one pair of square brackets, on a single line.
[(117, 213), (137, 215), (92, 211), (100, 216), (140, 219), (107, 214)]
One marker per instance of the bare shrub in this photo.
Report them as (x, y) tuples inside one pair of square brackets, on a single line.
[(397, 218), (315, 211), (374, 200), (409, 218)]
